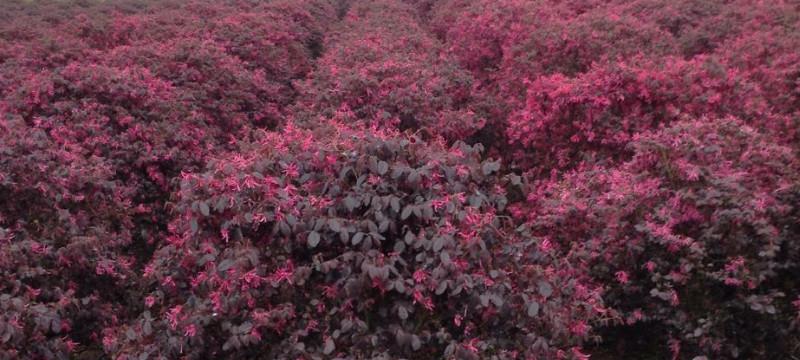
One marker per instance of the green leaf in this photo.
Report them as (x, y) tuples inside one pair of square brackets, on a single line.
[(204, 208), (489, 167), (225, 265), (402, 312), (409, 237), (334, 225), (438, 244), (406, 212), (313, 239), (413, 177), (441, 288), (545, 288), (445, 257), (533, 309), (329, 347), (416, 344), (357, 238), (350, 203), (399, 247)]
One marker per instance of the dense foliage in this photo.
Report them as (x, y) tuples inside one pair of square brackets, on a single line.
[(423, 179)]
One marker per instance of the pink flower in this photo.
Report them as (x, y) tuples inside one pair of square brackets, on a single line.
[(622, 277), (471, 345), (38, 248), (251, 280), (190, 330), (255, 334), (576, 352), (579, 328), (330, 292), (71, 345), (149, 301), (735, 264), (33, 292), (675, 348), (650, 266), (420, 276), (425, 301), (148, 270), (373, 180), (284, 273), (546, 245), (291, 171), (172, 316), (674, 300), (109, 341), (439, 203), (312, 325)]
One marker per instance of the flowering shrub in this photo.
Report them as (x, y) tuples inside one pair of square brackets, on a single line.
[(767, 58), (342, 240), (426, 179), (95, 125), (531, 38), (702, 27), (61, 242), (571, 46), (690, 236), (387, 70), (567, 119), (477, 31)]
